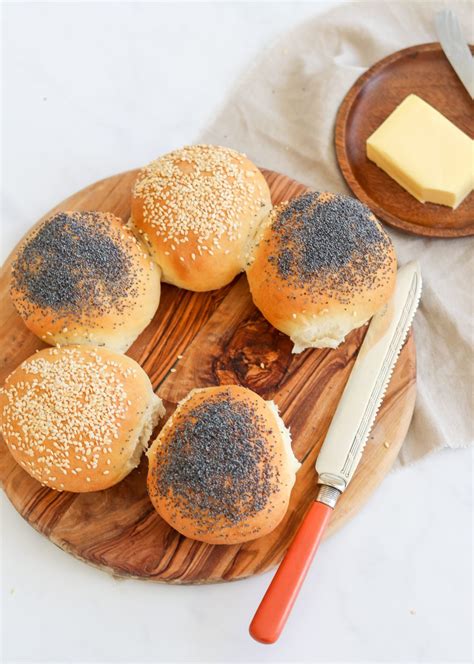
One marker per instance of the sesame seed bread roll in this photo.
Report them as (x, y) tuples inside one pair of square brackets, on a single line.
[(321, 266), (198, 208), (78, 418), (222, 468), (82, 278)]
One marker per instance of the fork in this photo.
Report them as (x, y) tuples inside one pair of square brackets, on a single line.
[(455, 48)]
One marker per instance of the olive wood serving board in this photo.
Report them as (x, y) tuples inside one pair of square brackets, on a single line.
[(222, 339), (425, 71)]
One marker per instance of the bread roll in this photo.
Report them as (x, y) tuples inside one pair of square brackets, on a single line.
[(198, 208), (222, 469), (78, 418), (82, 278), (321, 266)]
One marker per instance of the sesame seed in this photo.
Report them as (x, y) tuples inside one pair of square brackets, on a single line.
[(203, 190), (67, 412)]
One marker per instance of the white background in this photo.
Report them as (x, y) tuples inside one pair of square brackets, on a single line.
[(93, 89)]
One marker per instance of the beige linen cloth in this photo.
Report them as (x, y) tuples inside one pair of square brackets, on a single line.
[(282, 112)]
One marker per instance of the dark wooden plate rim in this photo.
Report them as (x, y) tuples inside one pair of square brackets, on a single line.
[(340, 137)]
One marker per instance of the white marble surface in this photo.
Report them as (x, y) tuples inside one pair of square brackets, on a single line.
[(92, 89)]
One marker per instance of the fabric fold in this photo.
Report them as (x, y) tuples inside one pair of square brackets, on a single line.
[(282, 114)]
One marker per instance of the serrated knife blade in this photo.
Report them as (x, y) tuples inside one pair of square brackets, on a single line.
[(355, 414), (343, 446)]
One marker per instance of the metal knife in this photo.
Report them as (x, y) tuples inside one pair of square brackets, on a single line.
[(455, 48), (343, 446)]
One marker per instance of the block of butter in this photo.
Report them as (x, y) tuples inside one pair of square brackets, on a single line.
[(425, 153)]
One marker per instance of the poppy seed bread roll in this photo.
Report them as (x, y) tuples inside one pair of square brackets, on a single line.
[(83, 278), (321, 266), (222, 468), (198, 208), (78, 418)]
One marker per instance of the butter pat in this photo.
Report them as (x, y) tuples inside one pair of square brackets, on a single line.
[(425, 153)]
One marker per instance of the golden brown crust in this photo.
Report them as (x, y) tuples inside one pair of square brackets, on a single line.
[(221, 470), (82, 277), (74, 418), (198, 208), (321, 266)]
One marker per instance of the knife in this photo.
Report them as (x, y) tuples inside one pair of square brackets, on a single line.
[(343, 446), (455, 48)]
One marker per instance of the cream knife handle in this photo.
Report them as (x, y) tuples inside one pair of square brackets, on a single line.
[(272, 614)]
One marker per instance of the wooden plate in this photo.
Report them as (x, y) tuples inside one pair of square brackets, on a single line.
[(425, 71), (223, 339)]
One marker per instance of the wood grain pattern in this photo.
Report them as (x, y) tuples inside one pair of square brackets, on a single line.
[(425, 71), (223, 339)]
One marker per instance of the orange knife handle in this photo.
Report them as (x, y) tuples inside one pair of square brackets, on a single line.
[(275, 607)]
